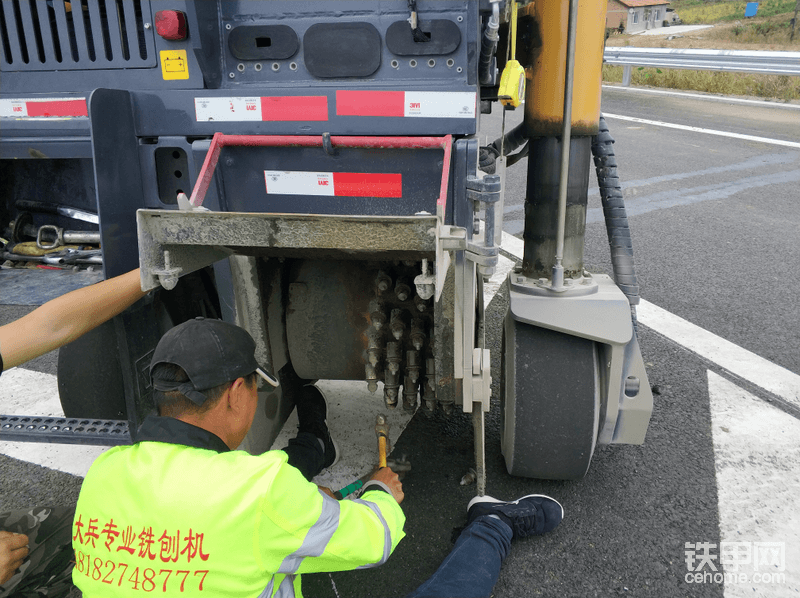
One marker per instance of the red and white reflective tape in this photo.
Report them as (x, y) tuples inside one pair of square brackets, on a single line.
[(409, 104), (338, 184), (43, 108), (271, 108)]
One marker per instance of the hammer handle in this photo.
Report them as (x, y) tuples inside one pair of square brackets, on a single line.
[(381, 450)]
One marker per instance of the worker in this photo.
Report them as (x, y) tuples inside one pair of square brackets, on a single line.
[(182, 511), (492, 524), (28, 563)]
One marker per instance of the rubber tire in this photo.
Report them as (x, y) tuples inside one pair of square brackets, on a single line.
[(90, 381), (549, 402)]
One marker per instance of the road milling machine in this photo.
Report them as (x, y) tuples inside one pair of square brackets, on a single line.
[(312, 171)]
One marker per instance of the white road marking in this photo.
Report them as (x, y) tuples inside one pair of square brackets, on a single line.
[(24, 392), (757, 461), (658, 123), (741, 362), (706, 97)]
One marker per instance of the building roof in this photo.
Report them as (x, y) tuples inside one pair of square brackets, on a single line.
[(636, 3)]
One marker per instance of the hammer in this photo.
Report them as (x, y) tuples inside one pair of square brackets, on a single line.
[(382, 432), (400, 466)]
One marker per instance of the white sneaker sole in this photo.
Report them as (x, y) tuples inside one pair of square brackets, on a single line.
[(491, 499)]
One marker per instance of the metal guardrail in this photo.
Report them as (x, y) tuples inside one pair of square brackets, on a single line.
[(738, 61)]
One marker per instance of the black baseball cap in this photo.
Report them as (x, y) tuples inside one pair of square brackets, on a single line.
[(211, 352)]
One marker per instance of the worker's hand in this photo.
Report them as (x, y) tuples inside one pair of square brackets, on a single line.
[(390, 478), (13, 550), (327, 491)]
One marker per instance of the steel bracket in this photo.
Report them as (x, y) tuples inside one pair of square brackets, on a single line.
[(485, 189), (479, 387)]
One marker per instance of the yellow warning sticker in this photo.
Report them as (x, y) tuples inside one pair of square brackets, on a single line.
[(174, 64)]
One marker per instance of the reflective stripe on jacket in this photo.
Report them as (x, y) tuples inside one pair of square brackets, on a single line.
[(168, 519)]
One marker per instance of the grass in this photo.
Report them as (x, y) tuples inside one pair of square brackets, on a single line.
[(780, 87), (769, 30), (694, 12)]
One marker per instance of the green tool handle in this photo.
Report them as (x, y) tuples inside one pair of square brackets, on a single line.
[(349, 489)]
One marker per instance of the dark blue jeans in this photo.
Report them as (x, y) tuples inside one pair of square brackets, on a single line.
[(473, 566)]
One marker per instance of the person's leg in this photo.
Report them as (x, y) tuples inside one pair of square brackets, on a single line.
[(473, 566), (306, 454), (48, 568), (313, 449)]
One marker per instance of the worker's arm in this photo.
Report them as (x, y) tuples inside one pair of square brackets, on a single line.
[(323, 534), (62, 320)]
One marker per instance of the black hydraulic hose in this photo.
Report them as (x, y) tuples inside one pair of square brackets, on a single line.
[(510, 142), (619, 233), (489, 47)]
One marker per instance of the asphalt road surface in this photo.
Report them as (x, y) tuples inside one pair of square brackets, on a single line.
[(715, 215)]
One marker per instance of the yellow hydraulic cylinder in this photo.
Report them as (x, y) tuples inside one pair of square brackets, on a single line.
[(544, 98)]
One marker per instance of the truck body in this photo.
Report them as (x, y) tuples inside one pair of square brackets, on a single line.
[(309, 171)]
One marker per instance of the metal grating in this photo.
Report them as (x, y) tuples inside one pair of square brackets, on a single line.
[(27, 428), (44, 35)]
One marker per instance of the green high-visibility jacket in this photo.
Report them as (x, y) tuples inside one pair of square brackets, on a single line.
[(158, 518)]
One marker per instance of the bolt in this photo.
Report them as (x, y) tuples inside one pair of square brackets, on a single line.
[(469, 477), (396, 324), (231, 75), (409, 395), (393, 358), (383, 281), (147, 25), (420, 303), (402, 290), (417, 334)]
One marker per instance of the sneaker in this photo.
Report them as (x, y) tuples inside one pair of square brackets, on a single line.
[(312, 413), (530, 515)]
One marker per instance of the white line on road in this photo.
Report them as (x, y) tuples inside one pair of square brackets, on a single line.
[(34, 393), (735, 359), (756, 457), (706, 97), (658, 123)]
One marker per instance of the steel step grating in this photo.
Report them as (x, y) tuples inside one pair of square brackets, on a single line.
[(63, 430)]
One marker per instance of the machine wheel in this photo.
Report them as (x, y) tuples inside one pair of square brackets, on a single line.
[(549, 402), (90, 377)]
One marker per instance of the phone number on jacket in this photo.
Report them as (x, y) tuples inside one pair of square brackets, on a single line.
[(144, 579)]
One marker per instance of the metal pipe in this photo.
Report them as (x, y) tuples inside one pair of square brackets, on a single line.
[(557, 282)]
